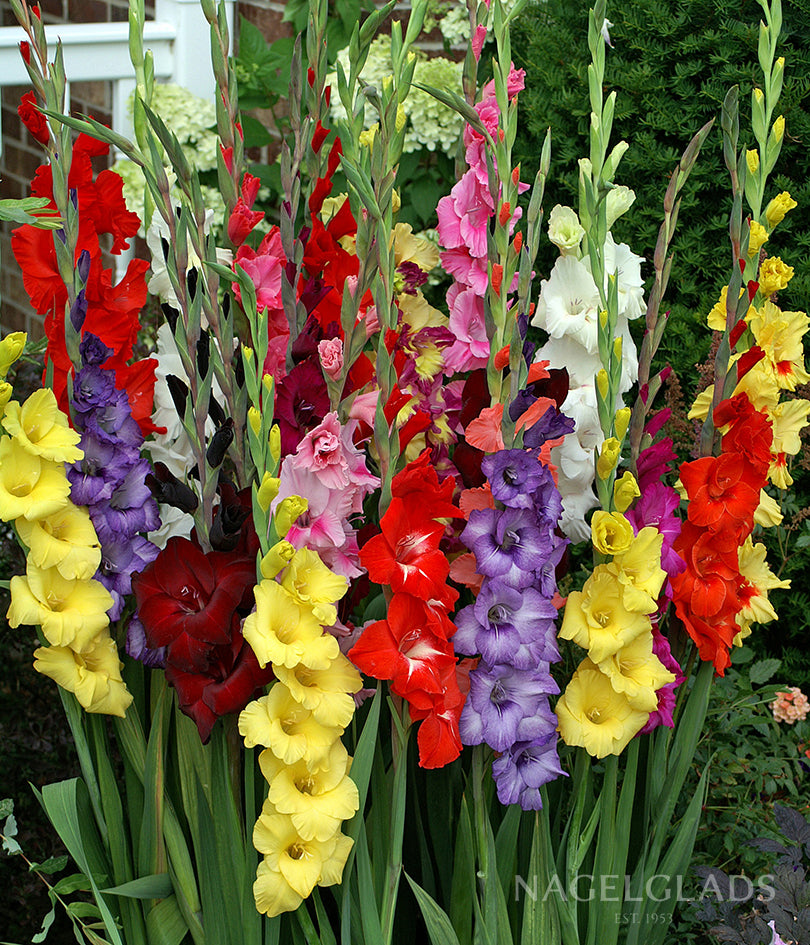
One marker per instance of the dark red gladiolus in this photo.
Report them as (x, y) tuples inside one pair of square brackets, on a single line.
[(187, 601), (227, 685)]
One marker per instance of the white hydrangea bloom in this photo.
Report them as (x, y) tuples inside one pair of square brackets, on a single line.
[(430, 124), (455, 25)]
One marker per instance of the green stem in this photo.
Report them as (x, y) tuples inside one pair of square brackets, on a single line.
[(400, 731)]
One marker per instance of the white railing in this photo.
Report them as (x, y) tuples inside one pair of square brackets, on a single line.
[(178, 38)]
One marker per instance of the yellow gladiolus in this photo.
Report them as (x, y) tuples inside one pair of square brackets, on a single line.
[(757, 236), (11, 347), (309, 580), (317, 802), (611, 533), (608, 457), (288, 512), (593, 716), (276, 559), (325, 692), (5, 396), (639, 571), (637, 673), (752, 160), (30, 487), (774, 276), (268, 490), (291, 866), (94, 676), (40, 427), (625, 491), (71, 613), (597, 619), (279, 722), (778, 207), (65, 540), (283, 632)]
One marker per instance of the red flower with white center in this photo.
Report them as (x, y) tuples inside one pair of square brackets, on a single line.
[(410, 648)]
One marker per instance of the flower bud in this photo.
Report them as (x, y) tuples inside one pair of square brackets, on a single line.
[(274, 440), (254, 419), (608, 457), (602, 383), (752, 160), (622, 421), (11, 347), (778, 207), (759, 95), (276, 559), (268, 490), (625, 491), (289, 511), (267, 380), (779, 128)]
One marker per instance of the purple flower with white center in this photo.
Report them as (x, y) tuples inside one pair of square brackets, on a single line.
[(508, 625), (93, 388), (521, 771), (507, 543), (514, 475), (502, 702)]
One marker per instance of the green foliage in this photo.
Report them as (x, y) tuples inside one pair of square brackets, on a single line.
[(672, 63), (757, 763)]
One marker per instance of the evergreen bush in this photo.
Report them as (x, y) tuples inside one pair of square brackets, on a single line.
[(672, 63)]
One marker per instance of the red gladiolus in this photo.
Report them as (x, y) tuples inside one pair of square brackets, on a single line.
[(411, 647), (31, 116), (723, 492)]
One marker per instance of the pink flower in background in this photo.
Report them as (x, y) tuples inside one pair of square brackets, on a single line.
[(791, 706), (330, 351)]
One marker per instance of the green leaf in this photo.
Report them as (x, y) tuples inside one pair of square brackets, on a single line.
[(156, 886), (68, 806), (165, 924), (440, 929), (762, 671), (54, 864), (10, 845), (69, 884), (47, 922), (83, 910)]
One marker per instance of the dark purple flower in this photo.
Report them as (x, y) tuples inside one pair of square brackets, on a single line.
[(93, 389), (552, 425), (93, 350)]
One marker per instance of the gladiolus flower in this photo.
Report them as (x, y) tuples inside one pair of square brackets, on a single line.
[(317, 802), (30, 486), (65, 540), (41, 428), (594, 716), (71, 613), (94, 676)]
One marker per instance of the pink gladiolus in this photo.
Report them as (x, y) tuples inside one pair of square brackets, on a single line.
[(330, 351)]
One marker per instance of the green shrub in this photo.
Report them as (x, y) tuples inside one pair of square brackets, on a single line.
[(671, 64)]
